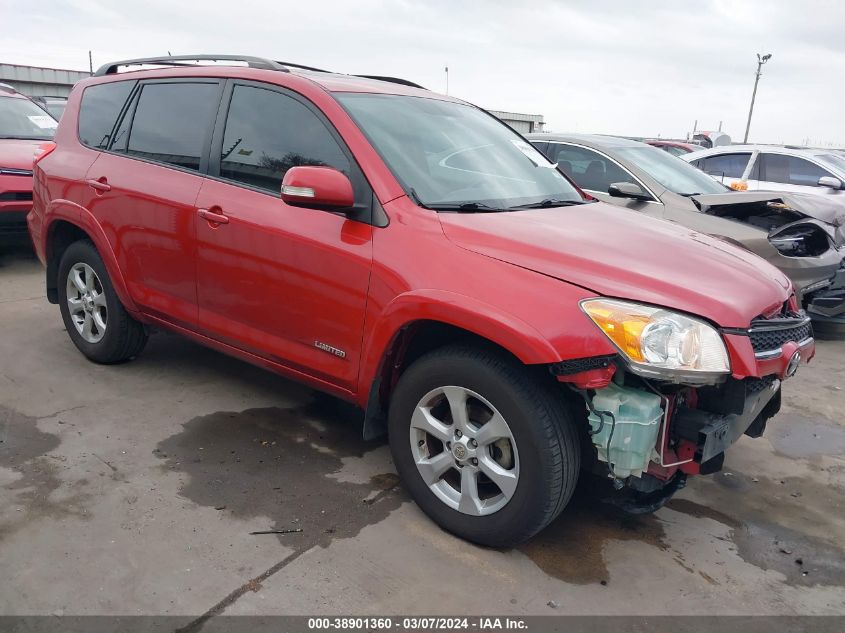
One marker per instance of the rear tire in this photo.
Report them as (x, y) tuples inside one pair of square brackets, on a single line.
[(523, 480), (94, 318)]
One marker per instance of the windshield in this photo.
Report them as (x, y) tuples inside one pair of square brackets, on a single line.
[(670, 171), (835, 161), (452, 156), (21, 118)]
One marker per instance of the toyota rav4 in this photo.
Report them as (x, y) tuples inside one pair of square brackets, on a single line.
[(408, 252)]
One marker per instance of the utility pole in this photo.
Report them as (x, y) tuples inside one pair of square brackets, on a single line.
[(447, 79), (760, 61), (90, 63)]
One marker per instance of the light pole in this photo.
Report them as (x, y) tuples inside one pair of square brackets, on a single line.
[(760, 61)]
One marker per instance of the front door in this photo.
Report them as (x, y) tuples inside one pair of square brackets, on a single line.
[(285, 283)]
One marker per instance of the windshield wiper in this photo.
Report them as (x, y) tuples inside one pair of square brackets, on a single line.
[(548, 203), (690, 195), (463, 207)]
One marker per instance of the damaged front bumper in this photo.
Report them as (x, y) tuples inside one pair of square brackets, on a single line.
[(712, 433), (649, 435)]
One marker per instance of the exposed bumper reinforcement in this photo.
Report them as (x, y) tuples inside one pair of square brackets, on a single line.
[(713, 433)]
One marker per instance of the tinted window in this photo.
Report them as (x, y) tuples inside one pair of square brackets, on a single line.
[(171, 122), (99, 110), (587, 168), (726, 165), (267, 133), (791, 170)]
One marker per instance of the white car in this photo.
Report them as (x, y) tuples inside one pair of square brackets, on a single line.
[(771, 168)]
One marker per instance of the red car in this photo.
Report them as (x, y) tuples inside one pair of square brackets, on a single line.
[(25, 129), (408, 252), (676, 148)]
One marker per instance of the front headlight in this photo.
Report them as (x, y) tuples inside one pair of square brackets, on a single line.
[(660, 343)]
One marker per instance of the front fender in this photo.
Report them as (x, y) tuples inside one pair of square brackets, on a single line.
[(485, 320)]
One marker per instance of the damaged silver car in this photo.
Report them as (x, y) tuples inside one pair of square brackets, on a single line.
[(803, 235)]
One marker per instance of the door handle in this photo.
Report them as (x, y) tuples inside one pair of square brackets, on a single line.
[(213, 218), (101, 185)]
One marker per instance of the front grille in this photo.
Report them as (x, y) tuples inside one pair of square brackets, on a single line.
[(16, 196), (770, 337), (755, 385)]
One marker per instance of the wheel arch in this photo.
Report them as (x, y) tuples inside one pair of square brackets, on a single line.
[(414, 324), (68, 224)]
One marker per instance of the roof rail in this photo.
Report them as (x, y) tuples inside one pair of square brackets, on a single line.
[(176, 60), (393, 80), (252, 62), (303, 67)]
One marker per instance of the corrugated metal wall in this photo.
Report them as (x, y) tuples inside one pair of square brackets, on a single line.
[(523, 123), (40, 82)]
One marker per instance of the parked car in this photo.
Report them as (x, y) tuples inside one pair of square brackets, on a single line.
[(24, 130), (772, 168), (54, 105), (410, 253), (676, 148), (797, 233)]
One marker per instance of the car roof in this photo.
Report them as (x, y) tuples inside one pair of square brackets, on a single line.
[(661, 142), (598, 140), (774, 149)]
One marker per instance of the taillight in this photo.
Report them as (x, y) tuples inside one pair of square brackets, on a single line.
[(42, 150)]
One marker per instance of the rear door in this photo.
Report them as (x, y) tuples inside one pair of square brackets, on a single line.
[(285, 283), (143, 191), (782, 172)]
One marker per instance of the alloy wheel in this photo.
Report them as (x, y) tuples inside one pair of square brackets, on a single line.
[(464, 450), (86, 302)]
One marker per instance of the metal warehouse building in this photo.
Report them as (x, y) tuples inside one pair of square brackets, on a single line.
[(40, 82), (522, 123)]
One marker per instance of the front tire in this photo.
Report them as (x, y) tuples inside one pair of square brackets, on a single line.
[(94, 318), (486, 448)]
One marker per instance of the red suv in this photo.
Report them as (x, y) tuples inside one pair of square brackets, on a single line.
[(408, 252), (25, 130)]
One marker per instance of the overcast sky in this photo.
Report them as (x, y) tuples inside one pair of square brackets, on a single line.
[(643, 67)]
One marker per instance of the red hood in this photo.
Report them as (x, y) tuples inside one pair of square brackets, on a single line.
[(620, 253), (18, 154)]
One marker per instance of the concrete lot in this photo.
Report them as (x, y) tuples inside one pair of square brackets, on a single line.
[(132, 489)]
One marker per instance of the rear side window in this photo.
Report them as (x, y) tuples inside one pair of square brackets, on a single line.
[(100, 107), (791, 170), (726, 165), (172, 121), (590, 170), (267, 133)]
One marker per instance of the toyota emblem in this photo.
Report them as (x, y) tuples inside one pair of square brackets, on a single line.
[(792, 366)]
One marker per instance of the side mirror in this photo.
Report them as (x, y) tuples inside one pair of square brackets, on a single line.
[(627, 190), (830, 181), (317, 188)]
